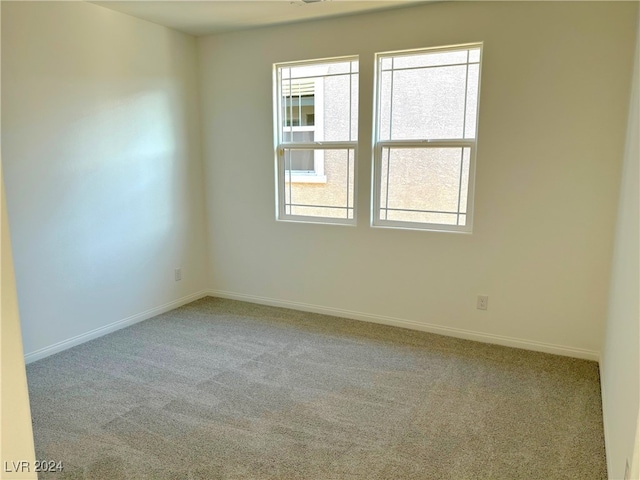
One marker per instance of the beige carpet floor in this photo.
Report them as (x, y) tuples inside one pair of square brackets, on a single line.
[(220, 389)]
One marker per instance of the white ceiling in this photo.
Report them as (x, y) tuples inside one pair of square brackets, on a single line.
[(212, 16)]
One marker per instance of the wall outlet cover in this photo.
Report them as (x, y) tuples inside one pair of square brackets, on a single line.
[(483, 302)]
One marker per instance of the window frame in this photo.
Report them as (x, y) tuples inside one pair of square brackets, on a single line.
[(379, 145), (318, 146)]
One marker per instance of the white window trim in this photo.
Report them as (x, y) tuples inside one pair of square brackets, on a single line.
[(378, 145)]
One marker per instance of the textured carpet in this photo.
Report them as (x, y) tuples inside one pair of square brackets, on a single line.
[(223, 389)]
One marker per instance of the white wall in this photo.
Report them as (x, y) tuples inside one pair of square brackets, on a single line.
[(554, 99), (620, 367), (102, 165)]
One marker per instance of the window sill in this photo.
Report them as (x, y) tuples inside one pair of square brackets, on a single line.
[(309, 178)]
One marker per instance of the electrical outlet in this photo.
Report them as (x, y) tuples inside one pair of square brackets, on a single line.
[(178, 274), (483, 302)]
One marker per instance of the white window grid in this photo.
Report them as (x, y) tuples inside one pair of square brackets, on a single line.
[(377, 219)]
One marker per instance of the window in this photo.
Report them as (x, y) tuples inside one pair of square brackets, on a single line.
[(425, 138), (316, 124)]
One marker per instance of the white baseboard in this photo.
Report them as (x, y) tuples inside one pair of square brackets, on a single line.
[(413, 325), (112, 327), (366, 317)]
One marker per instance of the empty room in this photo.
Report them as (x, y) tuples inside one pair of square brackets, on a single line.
[(320, 240)]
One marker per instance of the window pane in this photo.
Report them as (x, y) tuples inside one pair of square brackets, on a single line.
[(428, 103), (298, 103), (474, 55), (384, 115), (464, 181), (324, 96), (318, 69), (472, 101), (424, 184), (300, 160), (299, 136), (299, 111), (420, 217), (340, 108), (428, 96), (333, 198), (430, 59)]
